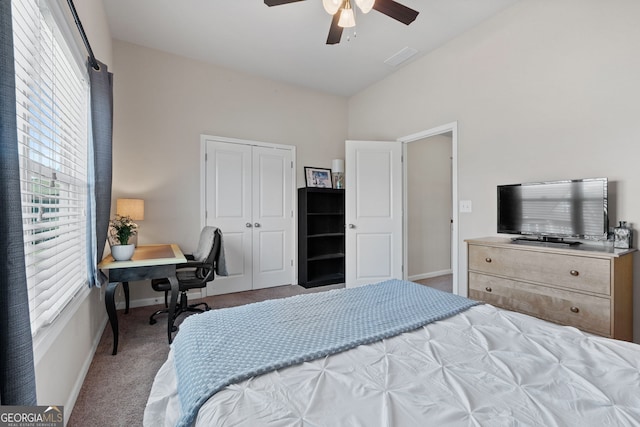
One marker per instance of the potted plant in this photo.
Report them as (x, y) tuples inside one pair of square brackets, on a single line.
[(121, 229)]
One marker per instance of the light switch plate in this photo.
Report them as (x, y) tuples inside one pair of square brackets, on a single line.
[(465, 206)]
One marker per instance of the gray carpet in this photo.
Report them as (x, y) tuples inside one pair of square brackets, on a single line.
[(115, 390)]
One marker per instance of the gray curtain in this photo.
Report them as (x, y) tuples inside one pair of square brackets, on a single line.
[(17, 376), (100, 167)]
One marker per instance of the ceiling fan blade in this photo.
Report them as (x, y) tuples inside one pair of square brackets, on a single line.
[(335, 31), (395, 10), (279, 2)]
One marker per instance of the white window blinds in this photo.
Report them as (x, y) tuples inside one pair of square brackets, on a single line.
[(52, 116)]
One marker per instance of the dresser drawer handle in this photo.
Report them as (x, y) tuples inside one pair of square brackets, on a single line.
[(488, 289), (574, 273), (487, 259), (575, 309)]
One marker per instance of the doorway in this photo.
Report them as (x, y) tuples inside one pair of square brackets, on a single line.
[(430, 215)]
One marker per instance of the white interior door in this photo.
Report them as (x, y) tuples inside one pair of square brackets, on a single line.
[(248, 195), (272, 217), (228, 197), (373, 209)]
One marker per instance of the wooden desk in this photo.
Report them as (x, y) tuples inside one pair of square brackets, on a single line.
[(148, 262)]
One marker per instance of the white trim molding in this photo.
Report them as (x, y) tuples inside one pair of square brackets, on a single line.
[(439, 130)]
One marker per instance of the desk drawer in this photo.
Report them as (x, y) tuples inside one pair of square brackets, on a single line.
[(574, 272), (590, 313)]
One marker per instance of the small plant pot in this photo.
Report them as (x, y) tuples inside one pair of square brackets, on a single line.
[(122, 252)]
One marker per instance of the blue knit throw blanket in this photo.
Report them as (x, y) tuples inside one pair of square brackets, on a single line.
[(226, 346)]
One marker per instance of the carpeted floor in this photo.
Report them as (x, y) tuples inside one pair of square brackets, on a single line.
[(115, 390), (443, 283)]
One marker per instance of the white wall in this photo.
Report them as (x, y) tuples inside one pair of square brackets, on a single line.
[(429, 214), (548, 89), (63, 358), (164, 102)]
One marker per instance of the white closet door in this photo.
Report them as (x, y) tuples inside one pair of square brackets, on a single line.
[(228, 202), (248, 192), (272, 217), (373, 198)]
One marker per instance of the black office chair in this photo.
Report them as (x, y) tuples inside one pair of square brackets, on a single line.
[(195, 273)]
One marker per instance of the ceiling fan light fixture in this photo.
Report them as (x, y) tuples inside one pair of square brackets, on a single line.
[(347, 19), (365, 5), (331, 6)]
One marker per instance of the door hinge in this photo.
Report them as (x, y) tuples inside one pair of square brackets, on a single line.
[(291, 164), (291, 263), (206, 157), (206, 214)]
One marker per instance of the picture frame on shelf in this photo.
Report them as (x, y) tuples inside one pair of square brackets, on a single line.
[(318, 177)]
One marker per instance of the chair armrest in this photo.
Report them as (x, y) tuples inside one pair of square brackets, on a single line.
[(193, 264), (194, 271), (189, 257)]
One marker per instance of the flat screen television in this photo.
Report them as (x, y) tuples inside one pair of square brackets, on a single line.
[(552, 211)]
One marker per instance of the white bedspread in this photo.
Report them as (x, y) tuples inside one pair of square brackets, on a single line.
[(483, 367)]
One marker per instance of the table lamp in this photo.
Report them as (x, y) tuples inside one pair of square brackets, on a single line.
[(337, 172), (134, 209)]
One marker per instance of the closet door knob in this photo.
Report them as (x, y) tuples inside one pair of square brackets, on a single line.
[(575, 273), (248, 225), (575, 309), (352, 226), (488, 289), (257, 225), (487, 259)]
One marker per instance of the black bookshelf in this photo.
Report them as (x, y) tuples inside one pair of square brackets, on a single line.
[(320, 236)]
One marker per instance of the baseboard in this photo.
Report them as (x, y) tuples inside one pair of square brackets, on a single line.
[(429, 275), (75, 391), (77, 387), (146, 302)]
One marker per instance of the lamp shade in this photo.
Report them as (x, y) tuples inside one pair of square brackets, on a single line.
[(337, 166), (331, 6), (365, 5), (347, 19), (133, 208)]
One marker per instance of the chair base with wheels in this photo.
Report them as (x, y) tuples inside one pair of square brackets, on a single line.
[(183, 305)]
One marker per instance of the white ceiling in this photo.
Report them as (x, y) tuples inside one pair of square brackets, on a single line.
[(287, 42)]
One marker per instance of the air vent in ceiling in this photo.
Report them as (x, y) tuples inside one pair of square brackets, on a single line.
[(401, 56)]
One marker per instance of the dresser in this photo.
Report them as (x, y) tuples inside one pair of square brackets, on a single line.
[(589, 287)]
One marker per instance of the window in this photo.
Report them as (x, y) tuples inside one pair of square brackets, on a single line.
[(52, 117)]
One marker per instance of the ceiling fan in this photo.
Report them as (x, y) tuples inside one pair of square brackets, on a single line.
[(343, 13)]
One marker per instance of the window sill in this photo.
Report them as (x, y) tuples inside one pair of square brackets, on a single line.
[(48, 335)]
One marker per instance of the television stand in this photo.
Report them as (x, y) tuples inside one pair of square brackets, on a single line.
[(552, 241)]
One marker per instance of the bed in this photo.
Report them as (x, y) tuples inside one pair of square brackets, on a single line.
[(475, 366)]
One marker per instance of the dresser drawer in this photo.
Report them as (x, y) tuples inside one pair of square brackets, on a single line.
[(574, 272), (589, 313)]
